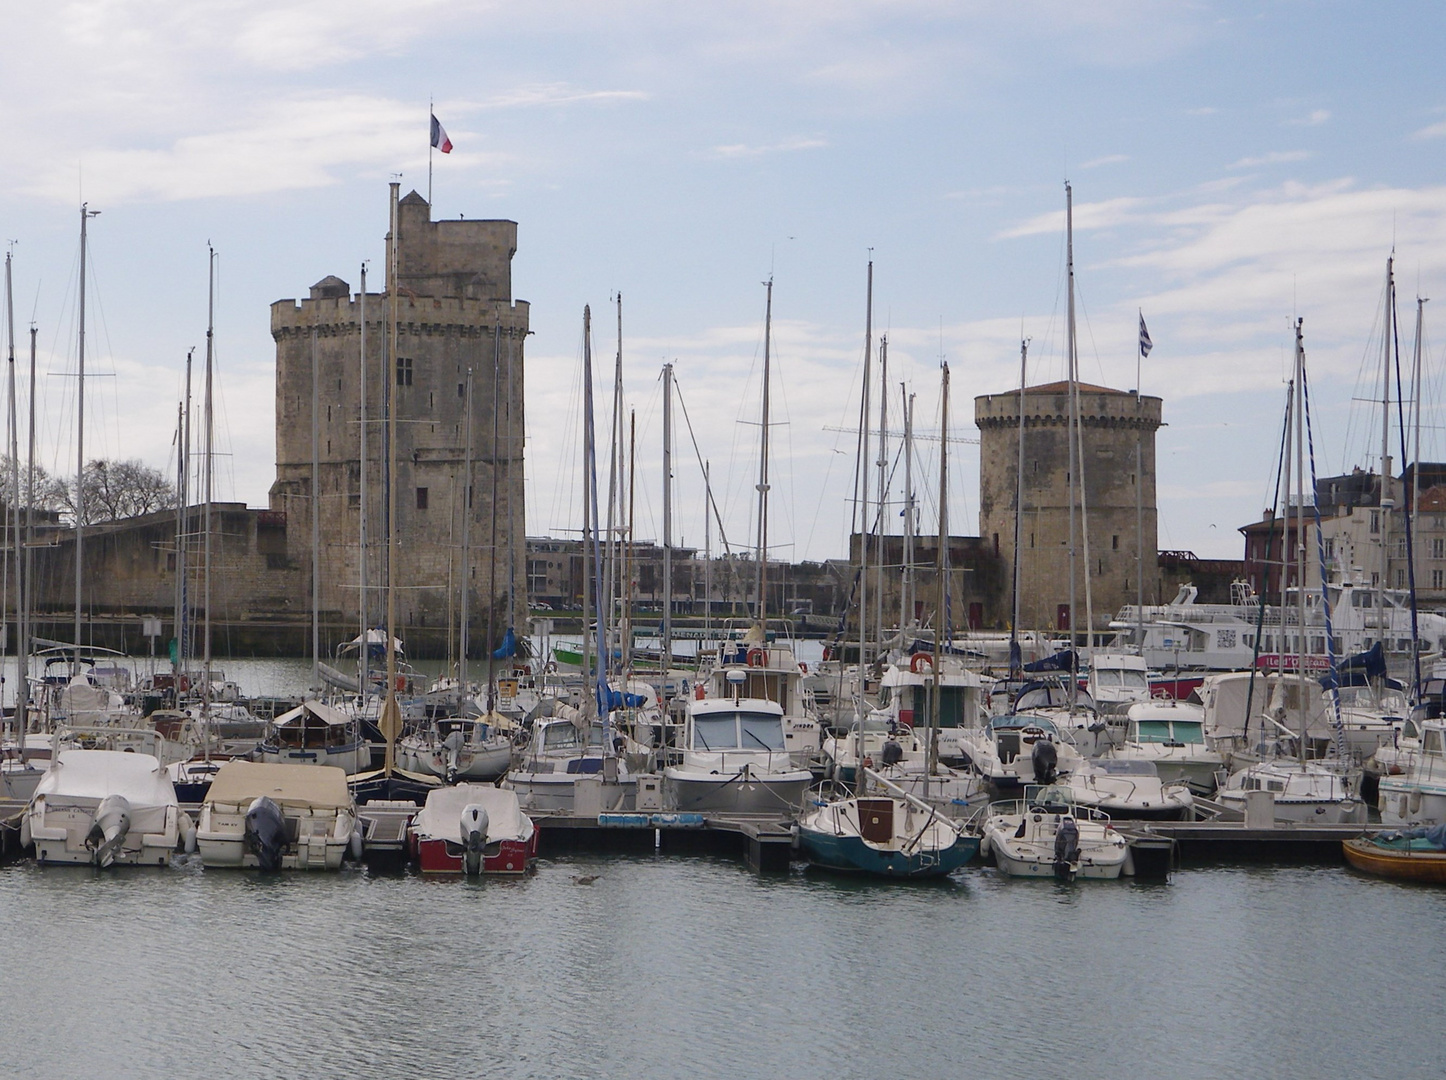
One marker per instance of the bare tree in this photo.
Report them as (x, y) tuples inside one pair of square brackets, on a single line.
[(119, 489), (49, 491)]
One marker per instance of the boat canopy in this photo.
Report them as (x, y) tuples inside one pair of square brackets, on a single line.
[(94, 774), (327, 714), (441, 817), (315, 786)]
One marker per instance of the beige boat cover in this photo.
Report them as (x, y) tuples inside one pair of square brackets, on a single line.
[(316, 786)]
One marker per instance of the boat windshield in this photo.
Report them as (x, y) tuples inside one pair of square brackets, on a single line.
[(1153, 731), (761, 731), (1115, 678), (715, 731), (1127, 767)]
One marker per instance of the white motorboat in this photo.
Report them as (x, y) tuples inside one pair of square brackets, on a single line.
[(1415, 792), (1118, 681), (472, 829), (1046, 834), (906, 694), (734, 759), (22, 764), (561, 750), (1023, 749), (315, 733), (105, 807), (771, 672), (900, 754), (457, 748), (1307, 792), (278, 817), (1130, 789), (1170, 735)]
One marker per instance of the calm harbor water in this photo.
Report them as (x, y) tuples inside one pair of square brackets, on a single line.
[(672, 967)]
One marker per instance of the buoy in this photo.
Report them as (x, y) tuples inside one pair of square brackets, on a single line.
[(919, 659), (698, 692), (757, 658)]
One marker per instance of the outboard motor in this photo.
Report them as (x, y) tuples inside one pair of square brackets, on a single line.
[(452, 752), (1066, 849), (892, 753), (1045, 757), (474, 836), (109, 826), (266, 832)]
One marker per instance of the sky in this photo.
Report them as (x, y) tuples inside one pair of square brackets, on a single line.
[(1235, 166)]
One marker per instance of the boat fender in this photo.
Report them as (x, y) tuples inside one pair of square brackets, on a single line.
[(356, 844), (918, 660), (757, 658), (186, 828)]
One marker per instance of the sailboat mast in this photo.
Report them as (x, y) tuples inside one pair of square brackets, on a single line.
[(607, 608), (361, 556), (942, 570), (210, 451), (906, 576), (183, 530), (762, 550), (1018, 511), (883, 481), (463, 644), (14, 523), (85, 215), (1386, 501), (1073, 421), (391, 710), (667, 520), (1139, 497), (492, 538), (1416, 416), (1300, 525), (864, 510), (707, 552), (588, 525)]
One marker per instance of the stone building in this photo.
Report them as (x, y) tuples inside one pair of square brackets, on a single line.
[(1113, 423), (455, 316)]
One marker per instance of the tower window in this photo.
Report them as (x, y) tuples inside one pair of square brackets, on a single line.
[(1114, 543), (461, 389), (404, 371), (421, 498)]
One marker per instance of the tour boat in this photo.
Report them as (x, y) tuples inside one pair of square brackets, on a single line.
[(885, 835), (734, 759), (278, 817), (1046, 834), (472, 829), (105, 807), (315, 733)]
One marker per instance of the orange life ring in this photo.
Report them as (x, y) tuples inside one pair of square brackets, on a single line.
[(919, 659), (757, 658)]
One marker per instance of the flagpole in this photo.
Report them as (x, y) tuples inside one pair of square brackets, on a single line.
[(431, 119)]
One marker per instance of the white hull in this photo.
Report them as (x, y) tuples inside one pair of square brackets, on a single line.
[(1407, 802), (554, 792), (59, 835), (777, 794), (351, 759)]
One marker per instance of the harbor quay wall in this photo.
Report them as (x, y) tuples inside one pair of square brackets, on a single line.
[(1113, 424)]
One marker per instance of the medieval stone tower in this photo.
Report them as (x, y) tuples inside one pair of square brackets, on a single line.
[(455, 316), (1112, 422)]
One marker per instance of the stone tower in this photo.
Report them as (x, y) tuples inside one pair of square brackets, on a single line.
[(455, 314), (1111, 423)]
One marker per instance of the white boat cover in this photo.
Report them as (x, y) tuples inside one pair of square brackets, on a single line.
[(94, 774), (441, 818), (327, 714), (316, 786), (91, 775)]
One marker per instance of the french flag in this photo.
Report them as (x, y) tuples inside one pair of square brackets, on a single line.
[(439, 137)]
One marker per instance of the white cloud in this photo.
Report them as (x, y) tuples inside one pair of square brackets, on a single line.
[(1313, 119), (1100, 215), (1109, 159), (745, 150), (1431, 131), (1275, 157), (548, 94)]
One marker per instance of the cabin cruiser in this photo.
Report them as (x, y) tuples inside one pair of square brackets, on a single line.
[(562, 749), (734, 759), (278, 817), (472, 829), (1129, 790), (1117, 681), (1046, 834), (1415, 794), (767, 670), (457, 748), (1307, 792), (1010, 751), (1170, 736), (315, 733), (105, 807)]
